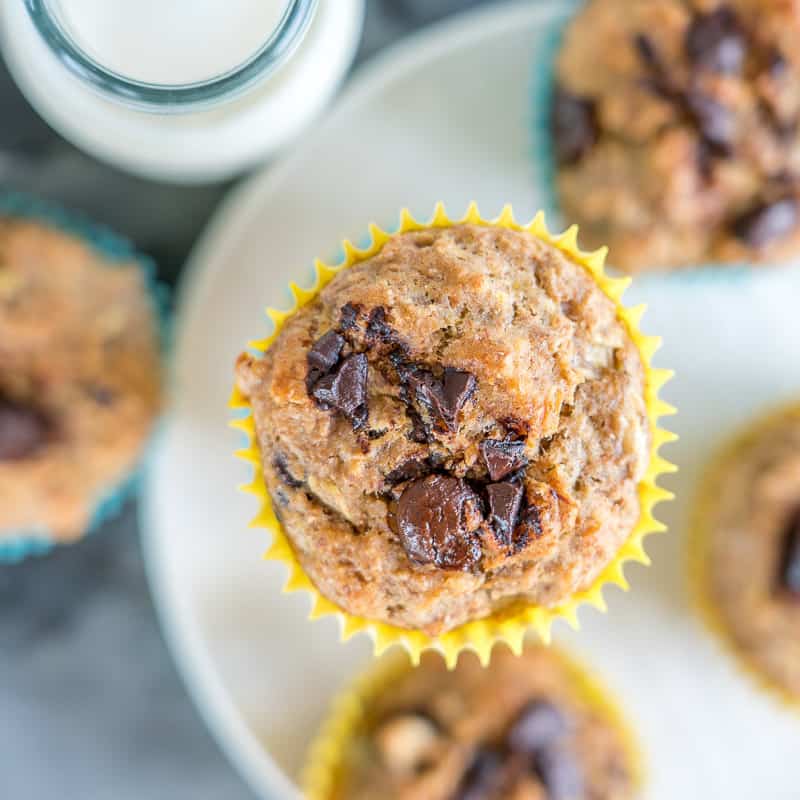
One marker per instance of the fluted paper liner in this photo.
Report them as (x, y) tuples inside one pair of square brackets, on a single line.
[(697, 550), (348, 714), (511, 624)]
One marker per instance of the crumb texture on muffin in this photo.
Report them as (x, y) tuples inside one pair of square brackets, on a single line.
[(752, 553), (676, 130), (79, 378), (451, 428), (520, 729)]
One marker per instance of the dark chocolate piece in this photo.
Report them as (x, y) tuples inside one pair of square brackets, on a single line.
[(348, 317), (574, 126), (528, 527), (484, 776), (346, 389), (504, 503), (539, 724), (325, 353), (715, 122), (408, 470), (502, 457), (23, 431), (716, 42), (560, 773), (789, 577), (282, 469), (433, 522), (767, 222), (378, 331), (444, 398)]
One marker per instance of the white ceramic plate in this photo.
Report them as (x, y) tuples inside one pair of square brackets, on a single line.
[(443, 116)]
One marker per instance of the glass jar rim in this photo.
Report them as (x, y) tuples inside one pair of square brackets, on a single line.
[(182, 97)]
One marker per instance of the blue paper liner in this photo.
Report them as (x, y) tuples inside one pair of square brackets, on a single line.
[(116, 249), (542, 80)]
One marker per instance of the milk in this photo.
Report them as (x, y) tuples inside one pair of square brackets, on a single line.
[(171, 41)]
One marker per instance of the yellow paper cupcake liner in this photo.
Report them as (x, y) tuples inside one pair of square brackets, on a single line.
[(349, 713), (699, 541), (511, 625)]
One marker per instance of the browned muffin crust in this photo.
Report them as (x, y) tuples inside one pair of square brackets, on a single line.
[(752, 562), (520, 729), (676, 124), (79, 378), (452, 427)]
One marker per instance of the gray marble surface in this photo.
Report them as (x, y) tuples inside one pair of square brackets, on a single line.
[(91, 706)]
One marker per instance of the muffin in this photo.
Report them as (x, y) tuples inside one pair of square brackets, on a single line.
[(747, 545), (675, 130), (79, 379), (525, 728), (453, 428)]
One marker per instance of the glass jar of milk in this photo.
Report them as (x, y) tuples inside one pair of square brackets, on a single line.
[(185, 90)]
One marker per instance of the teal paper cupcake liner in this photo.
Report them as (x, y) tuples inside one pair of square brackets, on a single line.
[(545, 48), (20, 545)]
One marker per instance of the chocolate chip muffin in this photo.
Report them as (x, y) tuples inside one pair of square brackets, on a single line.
[(675, 126), (79, 378), (749, 542), (522, 729), (453, 428)]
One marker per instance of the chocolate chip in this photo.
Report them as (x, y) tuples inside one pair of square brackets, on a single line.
[(504, 503), (458, 389), (528, 527), (23, 431), (574, 126), (716, 41), (348, 317), (282, 470), (560, 773), (502, 457), (436, 517), (766, 222), (444, 398), (410, 469), (377, 328), (346, 389), (325, 353), (715, 122), (538, 725), (789, 577), (483, 778)]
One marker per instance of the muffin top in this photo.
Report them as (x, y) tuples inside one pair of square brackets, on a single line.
[(752, 559), (452, 426), (79, 377), (521, 729), (675, 126)]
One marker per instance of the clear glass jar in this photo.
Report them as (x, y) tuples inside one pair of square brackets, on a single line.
[(195, 130)]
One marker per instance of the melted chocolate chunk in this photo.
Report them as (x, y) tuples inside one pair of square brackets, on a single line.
[(484, 776), (560, 773), (282, 470), (504, 503), (325, 353), (409, 470), (23, 431), (346, 389), (789, 576), (458, 389), (433, 516), (540, 724), (574, 126), (716, 42), (767, 222), (715, 122), (503, 457), (444, 398)]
